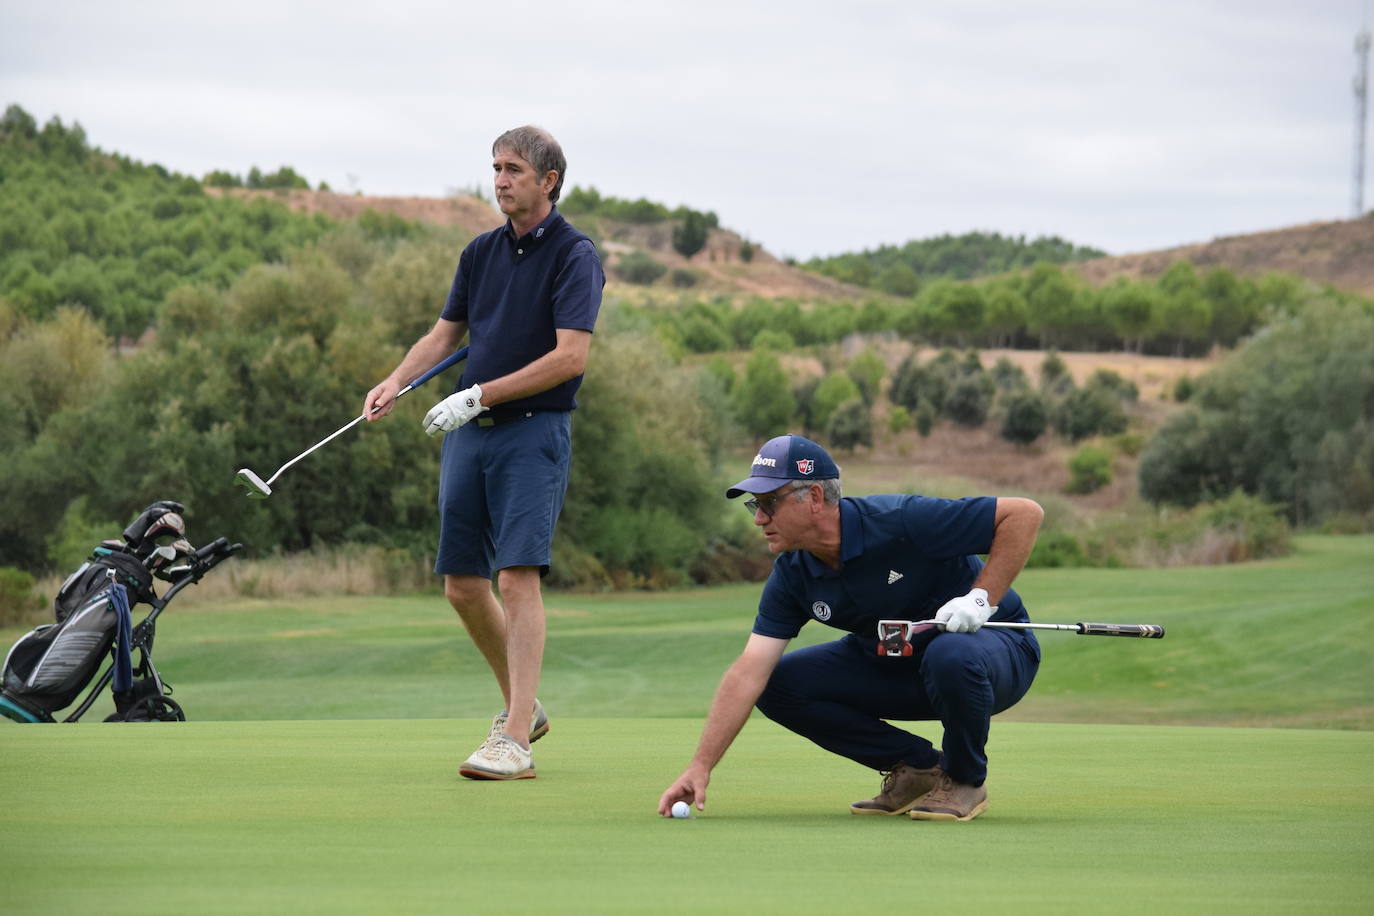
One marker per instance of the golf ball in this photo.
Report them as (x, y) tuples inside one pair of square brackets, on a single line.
[(680, 809)]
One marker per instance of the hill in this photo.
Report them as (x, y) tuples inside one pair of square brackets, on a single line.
[(1337, 253)]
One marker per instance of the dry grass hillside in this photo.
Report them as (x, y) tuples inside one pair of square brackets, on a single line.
[(1340, 254), (1337, 253)]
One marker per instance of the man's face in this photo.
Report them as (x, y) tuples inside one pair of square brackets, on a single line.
[(519, 190), (785, 520)]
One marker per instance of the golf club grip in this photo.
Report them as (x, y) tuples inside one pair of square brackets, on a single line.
[(1142, 630), (439, 367)]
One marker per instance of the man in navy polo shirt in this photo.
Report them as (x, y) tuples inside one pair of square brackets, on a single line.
[(527, 296), (850, 563)]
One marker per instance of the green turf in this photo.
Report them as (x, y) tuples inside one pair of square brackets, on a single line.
[(369, 817), (1283, 642), (306, 815)]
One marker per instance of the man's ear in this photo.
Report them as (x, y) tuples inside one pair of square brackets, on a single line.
[(548, 181)]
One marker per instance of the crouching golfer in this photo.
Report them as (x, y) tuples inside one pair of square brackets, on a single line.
[(850, 563)]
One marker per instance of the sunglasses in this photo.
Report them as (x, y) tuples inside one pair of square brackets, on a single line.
[(769, 504)]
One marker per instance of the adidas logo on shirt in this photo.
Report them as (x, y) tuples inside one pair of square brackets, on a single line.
[(893, 576)]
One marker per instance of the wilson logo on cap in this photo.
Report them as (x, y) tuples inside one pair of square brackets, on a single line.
[(806, 465)]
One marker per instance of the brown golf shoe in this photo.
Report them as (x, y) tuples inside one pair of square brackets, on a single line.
[(951, 801), (902, 788)]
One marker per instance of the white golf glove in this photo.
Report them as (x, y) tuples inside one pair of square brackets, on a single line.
[(454, 410), (966, 614)]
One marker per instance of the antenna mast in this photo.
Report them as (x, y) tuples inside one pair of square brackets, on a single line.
[(1361, 103)]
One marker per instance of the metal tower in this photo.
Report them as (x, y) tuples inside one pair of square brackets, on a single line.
[(1361, 103)]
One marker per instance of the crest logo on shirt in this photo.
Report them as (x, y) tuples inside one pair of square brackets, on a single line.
[(821, 611), (806, 465), (893, 576)]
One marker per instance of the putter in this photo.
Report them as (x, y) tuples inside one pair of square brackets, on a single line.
[(1139, 630), (261, 489)]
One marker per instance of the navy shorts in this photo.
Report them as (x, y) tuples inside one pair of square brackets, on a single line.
[(500, 491)]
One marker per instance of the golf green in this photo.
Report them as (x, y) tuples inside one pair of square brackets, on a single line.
[(370, 817)]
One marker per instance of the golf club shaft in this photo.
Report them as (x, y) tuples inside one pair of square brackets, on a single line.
[(1140, 630), (429, 374)]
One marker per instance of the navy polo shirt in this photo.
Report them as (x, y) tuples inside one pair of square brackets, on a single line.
[(901, 558), (515, 293)]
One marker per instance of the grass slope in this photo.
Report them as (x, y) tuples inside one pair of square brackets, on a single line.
[(369, 817), (1283, 642)]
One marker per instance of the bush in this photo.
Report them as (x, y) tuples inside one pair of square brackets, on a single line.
[(769, 339), (18, 600), (1090, 470), (1026, 418), (746, 251), (1054, 550), (898, 420), (969, 400), (639, 268), (1089, 412), (850, 425), (683, 278), (925, 418)]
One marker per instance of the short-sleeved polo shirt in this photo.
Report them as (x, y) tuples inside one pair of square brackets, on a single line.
[(516, 293), (901, 557)]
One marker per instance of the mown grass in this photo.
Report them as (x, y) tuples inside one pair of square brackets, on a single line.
[(1281, 642), (1091, 810), (369, 817)]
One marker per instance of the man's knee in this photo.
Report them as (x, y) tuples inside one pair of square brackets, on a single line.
[(951, 654), (518, 582), (466, 593)]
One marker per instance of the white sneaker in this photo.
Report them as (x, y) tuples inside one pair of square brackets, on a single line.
[(500, 757), (539, 725)]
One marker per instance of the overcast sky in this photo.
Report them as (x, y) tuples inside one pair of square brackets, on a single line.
[(809, 127)]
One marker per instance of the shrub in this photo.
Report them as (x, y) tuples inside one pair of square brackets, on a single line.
[(639, 268), (18, 600), (925, 418), (1027, 417), (1056, 549), (850, 425), (969, 400), (769, 339), (1089, 412), (683, 278), (746, 251), (1090, 470), (899, 419)]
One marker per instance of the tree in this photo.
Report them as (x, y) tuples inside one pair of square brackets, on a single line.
[(835, 389), (850, 426), (1132, 310), (1289, 418), (689, 236), (1027, 417), (1090, 469), (763, 400)]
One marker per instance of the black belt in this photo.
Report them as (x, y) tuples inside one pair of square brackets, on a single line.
[(493, 418)]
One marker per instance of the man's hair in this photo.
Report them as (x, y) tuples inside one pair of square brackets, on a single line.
[(537, 147), (830, 489)]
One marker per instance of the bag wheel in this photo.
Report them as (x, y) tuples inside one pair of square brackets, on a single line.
[(157, 708)]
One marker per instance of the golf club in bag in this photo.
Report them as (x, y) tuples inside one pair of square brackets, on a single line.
[(261, 489), (49, 666)]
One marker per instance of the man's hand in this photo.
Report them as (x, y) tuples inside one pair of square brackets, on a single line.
[(690, 787), (966, 614), (380, 399), (454, 410)]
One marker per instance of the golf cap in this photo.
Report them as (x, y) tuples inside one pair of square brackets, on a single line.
[(782, 459)]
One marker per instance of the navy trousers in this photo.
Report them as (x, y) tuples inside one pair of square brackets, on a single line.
[(838, 695)]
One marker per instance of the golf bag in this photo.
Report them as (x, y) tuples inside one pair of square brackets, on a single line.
[(49, 666)]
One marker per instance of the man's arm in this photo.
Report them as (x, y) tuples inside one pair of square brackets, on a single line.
[(739, 689), (1014, 527), (438, 342), (1015, 522), (568, 359)]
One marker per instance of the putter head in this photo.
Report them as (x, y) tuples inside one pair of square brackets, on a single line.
[(256, 487)]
